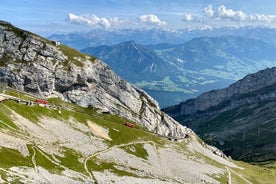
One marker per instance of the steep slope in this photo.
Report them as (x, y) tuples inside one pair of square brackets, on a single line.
[(173, 73), (239, 119), (77, 145), (36, 65)]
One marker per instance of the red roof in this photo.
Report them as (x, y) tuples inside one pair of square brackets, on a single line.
[(129, 125), (41, 101)]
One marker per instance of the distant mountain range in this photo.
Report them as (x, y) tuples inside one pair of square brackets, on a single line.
[(81, 40), (240, 119), (172, 73)]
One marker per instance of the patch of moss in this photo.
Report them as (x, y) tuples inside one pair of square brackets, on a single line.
[(5, 120), (71, 160), (33, 112), (96, 165), (13, 92), (10, 158), (138, 150), (42, 161), (72, 54)]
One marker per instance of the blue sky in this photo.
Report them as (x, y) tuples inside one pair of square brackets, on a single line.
[(57, 16)]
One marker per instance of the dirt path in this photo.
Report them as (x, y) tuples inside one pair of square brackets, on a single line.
[(229, 176), (33, 159), (240, 176), (90, 173)]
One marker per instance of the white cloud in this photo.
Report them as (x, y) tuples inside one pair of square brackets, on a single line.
[(93, 20), (208, 10), (191, 18), (188, 17), (103, 22), (222, 16), (262, 18), (223, 13), (152, 20)]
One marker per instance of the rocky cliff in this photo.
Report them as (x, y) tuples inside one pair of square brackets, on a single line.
[(232, 95), (239, 119), (34, 64)]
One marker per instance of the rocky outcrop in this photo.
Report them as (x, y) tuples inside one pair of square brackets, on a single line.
[(34, 64), (254, 88)]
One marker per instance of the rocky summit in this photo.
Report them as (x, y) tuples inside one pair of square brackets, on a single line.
[(239, 119)]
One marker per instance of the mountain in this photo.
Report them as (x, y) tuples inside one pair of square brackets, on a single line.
[(37, 65), (239, 119), (65, 117), (131, 61), (97, 37), (172, 73)]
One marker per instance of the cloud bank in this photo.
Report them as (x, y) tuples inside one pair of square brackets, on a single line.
[(92, 20), (223, 16), (103, 22), (211, 17), (152, 20), (223, 13)]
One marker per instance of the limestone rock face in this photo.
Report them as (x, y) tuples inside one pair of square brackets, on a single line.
[(34, 64), (235, 95)]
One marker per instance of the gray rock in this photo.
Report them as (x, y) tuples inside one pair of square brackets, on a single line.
[(249, 84), (34, 64)]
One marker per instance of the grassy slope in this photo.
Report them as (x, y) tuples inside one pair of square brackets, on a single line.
[(119, 134), (246, 133), (113, 123)]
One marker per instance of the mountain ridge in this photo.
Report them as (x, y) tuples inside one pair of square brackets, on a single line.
[(186, 70), (96, 37), (245, 109), (136, 60)]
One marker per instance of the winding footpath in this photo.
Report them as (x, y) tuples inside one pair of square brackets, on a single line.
[(90, 173), (229, 170), (229, 175), (33, 159)]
